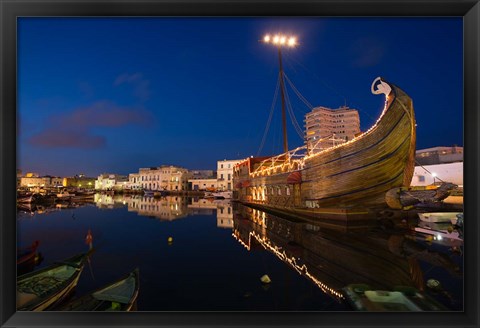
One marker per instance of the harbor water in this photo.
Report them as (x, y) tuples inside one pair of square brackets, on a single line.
[(199, 254)]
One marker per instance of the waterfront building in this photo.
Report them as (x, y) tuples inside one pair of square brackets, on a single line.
[(439, 155), (42, 182), (133, 181), (425, 175), (202, 184), (79, 181), (110, 182), (225, 173), (165, 177), (326, 127)]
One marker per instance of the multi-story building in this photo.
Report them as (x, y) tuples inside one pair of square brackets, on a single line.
[(165, 177), (203, 180), (45, 181), (439, 155), (225, 174), (326, 127), (110, 182), (79, 181)]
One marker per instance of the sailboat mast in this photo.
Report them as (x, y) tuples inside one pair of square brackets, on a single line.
[(282, 41), (282, 90)]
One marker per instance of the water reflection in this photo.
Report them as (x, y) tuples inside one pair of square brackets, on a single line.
[(332, 260)]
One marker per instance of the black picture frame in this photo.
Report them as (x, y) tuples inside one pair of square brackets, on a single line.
[(10, 10)]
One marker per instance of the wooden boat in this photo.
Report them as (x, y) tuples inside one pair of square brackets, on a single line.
[(439, 217), (118, 296), (27, 258), (65, 195), (42, 289), (355, 174), (227, 194), (363, 298)]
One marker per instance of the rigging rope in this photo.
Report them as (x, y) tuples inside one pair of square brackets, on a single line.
[(299, 95), (267, 127), (297, 127)]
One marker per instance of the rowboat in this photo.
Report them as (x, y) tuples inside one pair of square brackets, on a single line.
[(42, 289), (118, 296), (355, 174), (363, 298), (26, 258)]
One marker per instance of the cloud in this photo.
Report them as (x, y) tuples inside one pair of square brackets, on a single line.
[(141, 86), (73, 129), (104, 114), (367, 52), (67, 138)]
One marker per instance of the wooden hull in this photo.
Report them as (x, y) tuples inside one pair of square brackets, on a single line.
[(95, 302), (27, 258), (40, 290), (355, 174)]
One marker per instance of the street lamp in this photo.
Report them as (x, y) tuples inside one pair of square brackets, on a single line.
[(280, 41)]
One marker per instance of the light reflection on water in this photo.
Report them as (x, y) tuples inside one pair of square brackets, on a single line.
[(219, 251)]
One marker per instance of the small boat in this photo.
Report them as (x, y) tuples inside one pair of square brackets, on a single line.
[(363, 298), (440, 234), (42, 289), (208, 194), (65, 195), (26, 258), (439, 216), (118, 296), (227, 194)]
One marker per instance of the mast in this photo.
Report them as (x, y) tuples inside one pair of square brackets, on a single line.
[(280, 41), (282, 89)]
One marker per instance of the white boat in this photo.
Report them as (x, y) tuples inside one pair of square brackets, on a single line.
[(439, 217), (440, 234), (227, 194)]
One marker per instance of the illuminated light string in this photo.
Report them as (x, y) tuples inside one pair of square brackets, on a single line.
[(301, 269), (268, 169)]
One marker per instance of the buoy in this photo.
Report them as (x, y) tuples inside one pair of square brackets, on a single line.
[(265, 279), (170, 240), (433, 284)]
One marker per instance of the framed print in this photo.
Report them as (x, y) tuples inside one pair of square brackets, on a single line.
[(230, 163)]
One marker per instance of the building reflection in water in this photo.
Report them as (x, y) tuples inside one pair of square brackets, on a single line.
[(170, 207), (333, 259)]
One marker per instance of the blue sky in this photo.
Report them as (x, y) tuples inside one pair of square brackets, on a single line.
[(98, 95)]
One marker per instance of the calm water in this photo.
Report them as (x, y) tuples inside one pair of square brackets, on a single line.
[(219, 252)]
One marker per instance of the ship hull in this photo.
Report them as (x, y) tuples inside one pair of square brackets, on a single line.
[(356, 174)]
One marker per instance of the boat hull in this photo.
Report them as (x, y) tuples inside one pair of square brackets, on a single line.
[(355, 174)]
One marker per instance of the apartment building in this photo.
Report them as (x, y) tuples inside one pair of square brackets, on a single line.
[(165, 177), (111, 182), (225, 174), (326, 127)]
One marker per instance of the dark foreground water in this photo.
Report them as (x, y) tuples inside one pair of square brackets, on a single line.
[(200, 255)]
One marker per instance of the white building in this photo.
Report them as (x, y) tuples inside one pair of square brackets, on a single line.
[(433, 174), (203, 184), (165, 177), (110, 181), (225, 174), (326, 127)]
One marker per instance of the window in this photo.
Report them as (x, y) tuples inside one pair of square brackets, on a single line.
[(221, 166), (221, 176), (229, 176)]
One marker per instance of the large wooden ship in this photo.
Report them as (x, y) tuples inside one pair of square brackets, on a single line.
[(352, 176)]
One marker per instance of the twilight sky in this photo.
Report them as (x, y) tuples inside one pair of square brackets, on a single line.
[(111, 95)]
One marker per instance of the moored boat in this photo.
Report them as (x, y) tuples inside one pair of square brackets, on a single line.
[(439, 217), (27, 258), (42, 289), (354, 174), (363, 298), (226, 194), (118, 296)]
